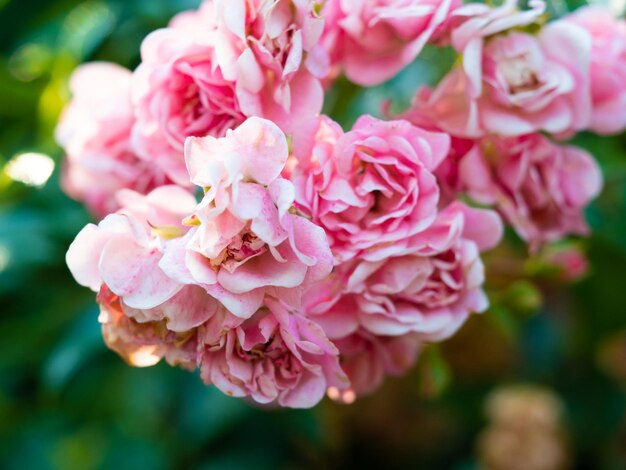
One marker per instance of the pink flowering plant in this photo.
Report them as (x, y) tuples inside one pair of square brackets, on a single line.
[(249, 231)]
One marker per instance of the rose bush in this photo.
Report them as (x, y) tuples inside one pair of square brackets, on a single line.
[(252, 237)]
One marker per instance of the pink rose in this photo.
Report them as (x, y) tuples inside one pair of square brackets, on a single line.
[(214, 67), (277, 355), (145, 315), (367, 359), (244, 235), (271, 51), (429, 287), (124, 250), (179, 91), (517, 83), (608, 67), (95, 132), (374, 40), (372, 186), (540, 188), (473, 24), (144, 344)]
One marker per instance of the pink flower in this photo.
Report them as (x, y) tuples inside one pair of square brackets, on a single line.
[(472, 24), (271, 51), (214, 67), (145, 315), (517, 83), (124, 250), (374, 40), (429, 287), (277, 355), (367, 359), (179, 91), (541, 188), (371, 187), (608, 67), (95, 132), (144, 344), (244, 236)]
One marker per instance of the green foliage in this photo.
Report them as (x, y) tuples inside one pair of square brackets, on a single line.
[(66, 402)]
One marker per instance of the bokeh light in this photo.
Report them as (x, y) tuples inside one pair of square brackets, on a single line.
[(5, 258), (32, 169)]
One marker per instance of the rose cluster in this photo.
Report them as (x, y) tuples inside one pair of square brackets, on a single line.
[(247, 235)]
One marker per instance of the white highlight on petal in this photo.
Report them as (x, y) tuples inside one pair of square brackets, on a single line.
[(32, 169), (144, 357)]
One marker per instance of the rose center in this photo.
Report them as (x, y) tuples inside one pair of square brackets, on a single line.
[(518, 74), (444, 286), (242, 247)]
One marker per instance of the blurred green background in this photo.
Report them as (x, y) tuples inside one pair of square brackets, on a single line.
[(66, 402)]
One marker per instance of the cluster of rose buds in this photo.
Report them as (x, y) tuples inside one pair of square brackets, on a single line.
[(247, 235)]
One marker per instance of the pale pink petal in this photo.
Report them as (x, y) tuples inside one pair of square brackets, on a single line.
[(263, 149), (132, 272)]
